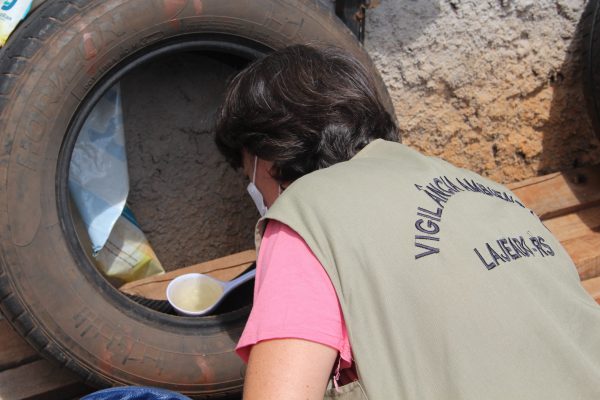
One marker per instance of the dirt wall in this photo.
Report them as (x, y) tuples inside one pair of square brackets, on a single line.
[(494, 86), (189, 202)]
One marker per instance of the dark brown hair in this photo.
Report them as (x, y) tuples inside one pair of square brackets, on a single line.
[(303, 108)]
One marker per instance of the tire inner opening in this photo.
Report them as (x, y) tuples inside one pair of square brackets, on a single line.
[(190, 204)]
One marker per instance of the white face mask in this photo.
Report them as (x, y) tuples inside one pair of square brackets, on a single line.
[(256, 195)]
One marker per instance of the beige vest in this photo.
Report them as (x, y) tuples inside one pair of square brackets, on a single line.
[(450, 287)]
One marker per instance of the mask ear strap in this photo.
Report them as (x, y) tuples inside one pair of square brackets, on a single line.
[(254, 173)]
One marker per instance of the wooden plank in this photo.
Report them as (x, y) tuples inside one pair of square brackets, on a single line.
[(40, 380), (585, 252), (592, 286), (14, 350), (575, 225), (225, 268), (579, 233), (560, 193)]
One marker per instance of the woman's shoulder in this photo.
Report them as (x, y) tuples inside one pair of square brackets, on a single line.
[(294, 296)]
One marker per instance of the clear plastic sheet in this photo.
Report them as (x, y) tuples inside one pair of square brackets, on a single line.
[(98, 178), (99, 185)]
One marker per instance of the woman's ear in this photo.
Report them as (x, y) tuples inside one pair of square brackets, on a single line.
[(274, 172)]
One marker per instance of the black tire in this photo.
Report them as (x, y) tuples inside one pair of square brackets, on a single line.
[(52, 70)]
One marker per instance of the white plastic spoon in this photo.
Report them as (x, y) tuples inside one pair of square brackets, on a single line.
[(198, 294)]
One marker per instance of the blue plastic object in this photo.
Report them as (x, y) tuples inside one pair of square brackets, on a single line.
[(135, 393), (98, 177), (11, 13)]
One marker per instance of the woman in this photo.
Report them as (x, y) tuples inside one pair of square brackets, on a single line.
[(416, 278)]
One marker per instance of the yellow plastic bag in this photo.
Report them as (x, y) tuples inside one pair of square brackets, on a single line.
[(127, 255)]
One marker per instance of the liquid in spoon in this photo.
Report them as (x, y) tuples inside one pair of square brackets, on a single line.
[(197, 294)]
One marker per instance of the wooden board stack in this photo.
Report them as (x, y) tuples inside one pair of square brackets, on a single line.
[(569, 205)]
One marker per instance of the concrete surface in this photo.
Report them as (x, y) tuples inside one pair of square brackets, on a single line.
[(192, 206), (493, 86)]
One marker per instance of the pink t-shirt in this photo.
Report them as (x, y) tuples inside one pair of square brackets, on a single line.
[(293, 297)]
